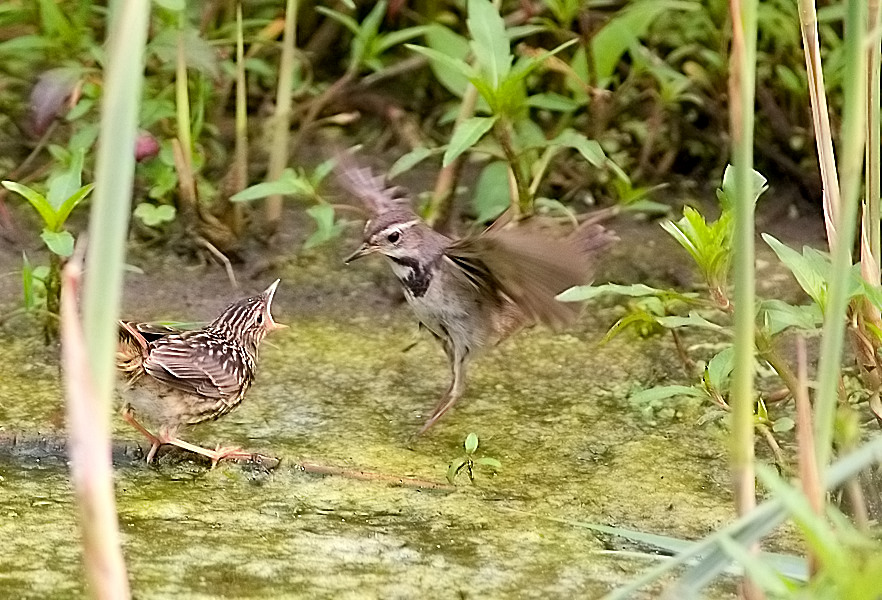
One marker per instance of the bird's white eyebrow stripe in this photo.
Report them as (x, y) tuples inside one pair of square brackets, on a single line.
[(397, 227)]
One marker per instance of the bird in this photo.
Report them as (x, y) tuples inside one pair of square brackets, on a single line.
[(175, 378), (473, 292)]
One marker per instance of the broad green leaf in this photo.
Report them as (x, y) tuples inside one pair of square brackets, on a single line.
[(719, 368), (488, 462), (806, 271), (783, 424), (289, 183), (59, 242), (467, 135), (553, 101), (449, 63), (727, 192), (62, 185), (366, 36), (777, 316), (69, 204), (693, 320), (490, 45), (471, 443), (589, 149), (623, 31), (492, 192), (326, 227), (454, 468), (37, 200), (409, 161), (444, 41), (666, 391), (153, 215)]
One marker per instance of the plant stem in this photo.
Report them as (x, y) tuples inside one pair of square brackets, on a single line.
[(278, 156), (91, 469), (851, 155), (742, 82), (522, 202), (808, 19)]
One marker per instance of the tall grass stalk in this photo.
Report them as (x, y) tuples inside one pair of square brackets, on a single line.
[(108, 225), (808, 20), (278, 155), (850, 175), (741, 86)]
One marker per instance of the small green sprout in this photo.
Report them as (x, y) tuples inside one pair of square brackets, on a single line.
[(469, 461)]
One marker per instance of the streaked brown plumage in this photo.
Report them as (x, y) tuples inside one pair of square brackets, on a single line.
[(473, 292), (174, 378)]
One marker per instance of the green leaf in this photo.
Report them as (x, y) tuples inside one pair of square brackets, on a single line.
[(454, 469), (59, 242), (69, 204), (37, 200), (777, 316), (719, 368), (489, 462), (693, 320), (326, 228), (154, 215), (490, 46), (397, 37), (492, 192), (580, 293), (808, 271), (758, 185), (409, 161), (456, 48), (471, 443), (759, 570), (467, 135), (589, 149), (27, 282), (783, 424), (666, 391), (448, 63), (361, 46), (289, 183), (64, 184), (553, 101)]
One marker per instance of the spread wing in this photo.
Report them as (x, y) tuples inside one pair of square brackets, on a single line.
[(372, 190), (530, 268), (200, 364)]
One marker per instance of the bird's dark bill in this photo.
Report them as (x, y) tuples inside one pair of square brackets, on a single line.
[(363, 250)]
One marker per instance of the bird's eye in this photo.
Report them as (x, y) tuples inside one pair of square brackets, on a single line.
[(260, 318), (393, 237)]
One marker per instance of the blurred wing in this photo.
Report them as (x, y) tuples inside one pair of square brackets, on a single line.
[(199, 364), (530, 268), (360, 182)]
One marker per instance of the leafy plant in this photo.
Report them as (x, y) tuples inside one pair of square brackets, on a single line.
[(468, 462), (65, 192)]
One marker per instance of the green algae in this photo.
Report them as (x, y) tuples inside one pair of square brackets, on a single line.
[(552, 408)]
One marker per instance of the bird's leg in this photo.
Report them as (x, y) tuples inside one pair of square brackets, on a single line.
[(155, 443), (216, 455), (458, 361)]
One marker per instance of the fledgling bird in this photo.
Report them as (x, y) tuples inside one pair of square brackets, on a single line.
[(174, 378), (473, 292)]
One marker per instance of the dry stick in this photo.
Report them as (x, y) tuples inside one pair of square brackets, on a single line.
[(311, 467), (89, 452), (805, 438), (808, 19)]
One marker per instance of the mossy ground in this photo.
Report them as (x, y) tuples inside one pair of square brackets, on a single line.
[(337, 389)]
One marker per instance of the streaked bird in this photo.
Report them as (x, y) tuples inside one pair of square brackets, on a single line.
[(174, 378)]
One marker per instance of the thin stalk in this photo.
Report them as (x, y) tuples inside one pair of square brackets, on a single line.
[(108, 227), (808, 19), (851, 163), (240, 158), (870, 238), (742, 82), (808, 466), (182, 95), (278, 155)]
